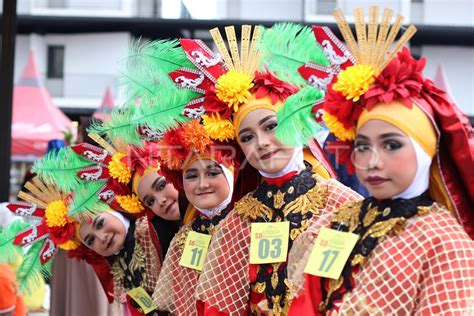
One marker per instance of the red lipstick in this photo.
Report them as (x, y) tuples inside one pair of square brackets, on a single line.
[(168, 208), (268, 155), (375, 180)]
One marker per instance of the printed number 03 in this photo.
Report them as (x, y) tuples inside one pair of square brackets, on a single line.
[(264, 248)]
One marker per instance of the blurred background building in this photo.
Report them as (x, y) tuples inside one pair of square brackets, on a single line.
[(77, 67), (69, 53), (79, 44)]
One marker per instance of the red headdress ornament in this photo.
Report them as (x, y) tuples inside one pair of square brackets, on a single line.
[(53, 227), (368, 76)]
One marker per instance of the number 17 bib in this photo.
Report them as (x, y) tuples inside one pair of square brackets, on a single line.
[(331, 250)]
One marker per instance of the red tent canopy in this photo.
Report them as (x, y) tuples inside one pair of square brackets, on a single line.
[(36, 120)]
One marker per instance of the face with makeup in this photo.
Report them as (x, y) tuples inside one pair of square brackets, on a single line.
[(161, 197), (205, 184), (256, 137), (384, 158), (105, 234)]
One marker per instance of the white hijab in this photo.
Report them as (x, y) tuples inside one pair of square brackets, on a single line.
[(422, 177), (295, 164)]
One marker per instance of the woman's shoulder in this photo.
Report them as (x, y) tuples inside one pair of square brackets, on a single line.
[(248, 208), (440, 229), (337, 194), (437, 219)]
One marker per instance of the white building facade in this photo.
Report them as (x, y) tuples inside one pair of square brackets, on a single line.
[(77, 68)]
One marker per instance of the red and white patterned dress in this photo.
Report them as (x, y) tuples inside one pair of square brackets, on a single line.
[(228, 279), (176, 286), (426, 269)]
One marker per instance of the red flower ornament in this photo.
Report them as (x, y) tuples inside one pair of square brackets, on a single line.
[(265, 83)]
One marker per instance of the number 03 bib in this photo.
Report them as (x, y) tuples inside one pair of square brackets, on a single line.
[(269, 242)]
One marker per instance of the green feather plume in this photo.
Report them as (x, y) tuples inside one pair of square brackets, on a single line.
[(287, 46), (153, 99), (118, 125), (148, 65), (296, 124), (161, 113), (164, 111), (31, 273), (9, 252), (166, 55), (61, 168), (86, 202)]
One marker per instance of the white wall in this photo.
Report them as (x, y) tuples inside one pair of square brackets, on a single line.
[(79, 7), (458, 63), (103, 4), (91, 63), (401, 7), (452, 12), (264, 10)]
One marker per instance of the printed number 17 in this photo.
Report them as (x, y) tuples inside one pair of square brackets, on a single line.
[(326, 254)]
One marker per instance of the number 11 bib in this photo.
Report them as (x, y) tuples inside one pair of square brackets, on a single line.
[(195, 250)]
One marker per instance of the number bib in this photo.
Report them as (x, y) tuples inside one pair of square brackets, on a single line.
[(142, 298), (330, 253), (269, 242), (195, 250)]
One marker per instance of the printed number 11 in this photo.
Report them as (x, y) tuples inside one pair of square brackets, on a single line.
[(197, 253), (326, 254), (146, 301)]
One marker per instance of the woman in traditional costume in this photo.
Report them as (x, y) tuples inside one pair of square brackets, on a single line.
[(125, 255), (412, 150), (103, 179), (265, 107), (207, 176)]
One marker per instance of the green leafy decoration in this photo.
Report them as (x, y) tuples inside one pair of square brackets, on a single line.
[(118, 125), (164, 112), (86, 202), (9, 252), (296, 123), (31, 273), (287, 46), (61, 168), (148, 65), (153, 99), (161, 113)]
